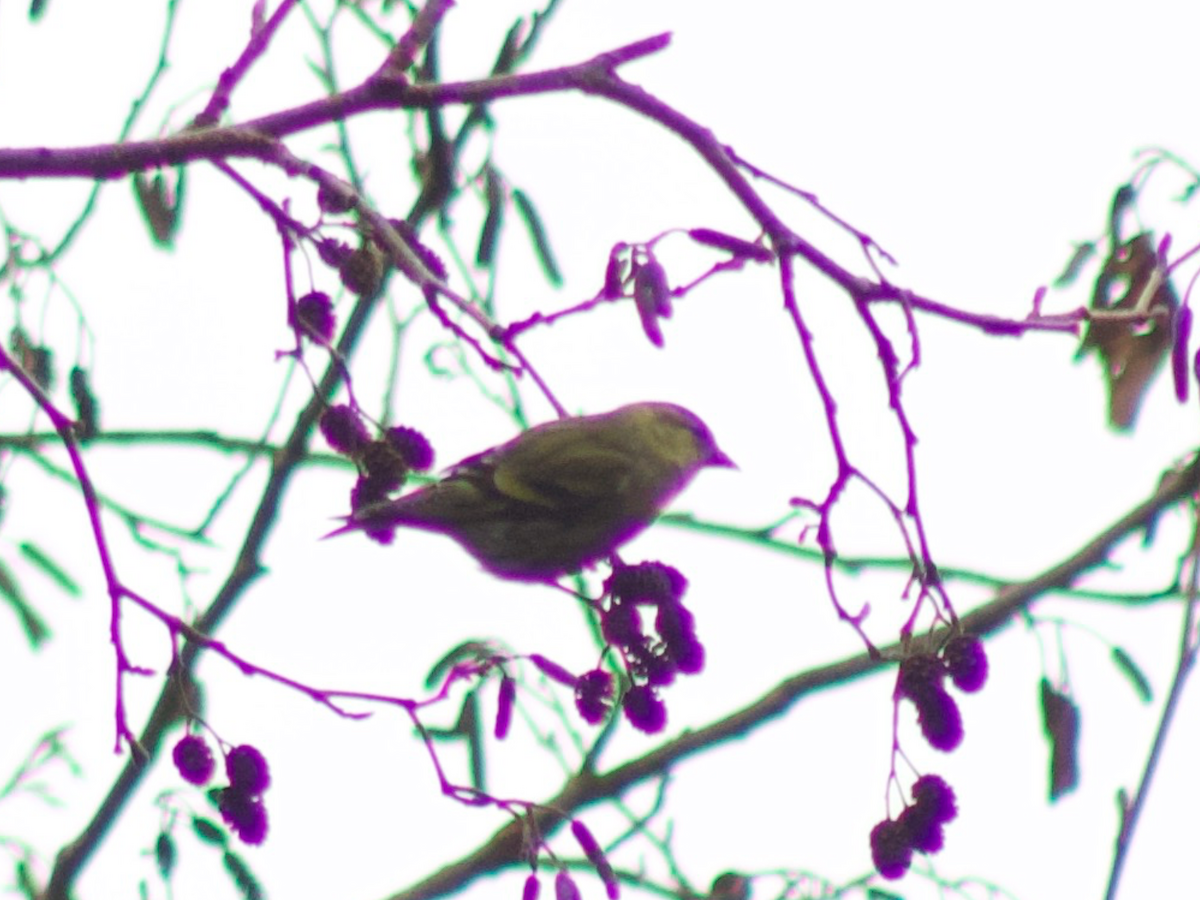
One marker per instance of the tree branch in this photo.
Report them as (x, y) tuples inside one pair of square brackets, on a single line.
[(586, 788)]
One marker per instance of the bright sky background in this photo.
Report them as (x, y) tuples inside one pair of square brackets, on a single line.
[(975, 146)]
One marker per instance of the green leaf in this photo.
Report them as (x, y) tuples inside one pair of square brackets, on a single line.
[(36, 631), (507, 57), (1124, 198), (537, 234), (1133, 672), (209, 832), (37, 557), (485, 255), (25, 882), (164, 855), (320, 73), (470, 724), (1083, 252), (242, 876)]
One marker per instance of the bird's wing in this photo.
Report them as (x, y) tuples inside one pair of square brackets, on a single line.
[(562, 474)]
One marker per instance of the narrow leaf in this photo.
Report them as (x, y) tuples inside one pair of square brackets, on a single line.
[(209, 832), (1133, 673), (537, 234), (321, 75), (25, 882), (36, 630), (242, 876), (1083, 252), (164, 855), (507, 57), (50, 568), (1123, 199), (489, 236), (470, 726)]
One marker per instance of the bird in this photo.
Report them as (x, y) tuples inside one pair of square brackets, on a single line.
[(560, 496)]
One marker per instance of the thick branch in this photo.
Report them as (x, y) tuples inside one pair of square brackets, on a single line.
[(587, 788), (256, 138)]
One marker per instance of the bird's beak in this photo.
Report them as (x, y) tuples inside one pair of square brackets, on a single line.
[(718, 458)]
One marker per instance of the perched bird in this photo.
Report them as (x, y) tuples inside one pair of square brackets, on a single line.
[(559, 496)]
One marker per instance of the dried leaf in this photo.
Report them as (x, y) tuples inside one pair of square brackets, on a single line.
[(1060, 719), (161, 204), (1133, 279), (87, 410), (730, 886), (35, 359)]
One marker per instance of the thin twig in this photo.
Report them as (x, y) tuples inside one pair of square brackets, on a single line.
[(1188, 645), (588, 788)]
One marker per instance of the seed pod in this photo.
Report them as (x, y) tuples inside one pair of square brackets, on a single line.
[(652, 295)]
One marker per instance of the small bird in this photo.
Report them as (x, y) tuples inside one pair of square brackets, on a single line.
[(559, 496)]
